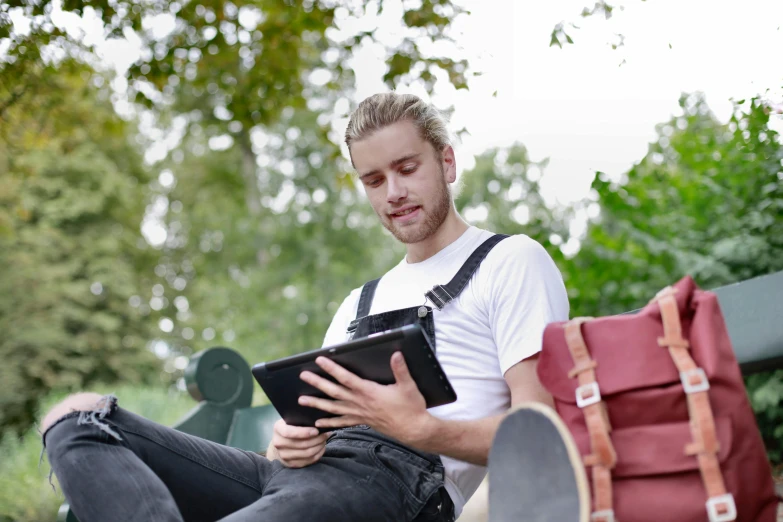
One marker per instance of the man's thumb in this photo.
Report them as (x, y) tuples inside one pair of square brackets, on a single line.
[(400, 369)]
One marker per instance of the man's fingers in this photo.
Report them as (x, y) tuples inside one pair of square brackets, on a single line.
[(303, 461), (299, 444), (330, 388), (302, 457), (343, 376), (400, 370), (338, 422), (327, 405), (294, 432), (301, 454)]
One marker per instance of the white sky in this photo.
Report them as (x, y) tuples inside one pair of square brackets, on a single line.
[(578, 106)]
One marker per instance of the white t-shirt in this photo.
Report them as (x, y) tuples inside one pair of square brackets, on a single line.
[(497, 321)]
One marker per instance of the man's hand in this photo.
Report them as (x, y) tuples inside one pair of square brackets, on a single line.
[(397, 410), (296, 446)]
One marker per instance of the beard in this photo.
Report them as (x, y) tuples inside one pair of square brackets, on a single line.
[(433, 218)]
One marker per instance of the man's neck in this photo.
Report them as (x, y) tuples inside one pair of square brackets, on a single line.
[(451, 229)]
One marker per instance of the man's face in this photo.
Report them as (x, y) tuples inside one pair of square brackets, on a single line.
[(406, 180)]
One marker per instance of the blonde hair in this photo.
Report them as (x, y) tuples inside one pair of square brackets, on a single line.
[(384, 109)]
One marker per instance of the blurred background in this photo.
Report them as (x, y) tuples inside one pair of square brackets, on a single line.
[(172, 174)]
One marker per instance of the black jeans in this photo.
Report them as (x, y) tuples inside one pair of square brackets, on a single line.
[(114, 465)]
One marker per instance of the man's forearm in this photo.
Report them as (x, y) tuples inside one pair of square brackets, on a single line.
[(463, 440)]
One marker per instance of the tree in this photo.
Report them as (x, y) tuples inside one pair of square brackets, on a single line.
[(502, 193), (71, 198), (268, 284), (235, 66), (706, 200)]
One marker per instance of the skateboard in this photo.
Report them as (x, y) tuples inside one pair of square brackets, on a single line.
[(535, 470)]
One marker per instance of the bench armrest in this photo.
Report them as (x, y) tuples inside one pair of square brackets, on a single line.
[(220, 379)]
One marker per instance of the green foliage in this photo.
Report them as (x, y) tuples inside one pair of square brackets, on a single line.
[(237, 65), (706, 200), (267, 283), (766, 396), (70, 204), (504, 185), (25, 493)]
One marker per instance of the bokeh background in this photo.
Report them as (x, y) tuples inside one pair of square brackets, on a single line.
[(172, 174)]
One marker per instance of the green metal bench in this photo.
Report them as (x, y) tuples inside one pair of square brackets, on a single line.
[(220, 379)]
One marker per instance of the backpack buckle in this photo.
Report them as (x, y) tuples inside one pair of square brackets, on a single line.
[(588, 394), (605, 515), (691, 387), (729, 508)]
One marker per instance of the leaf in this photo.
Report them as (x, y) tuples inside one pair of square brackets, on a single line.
[(554, 40)]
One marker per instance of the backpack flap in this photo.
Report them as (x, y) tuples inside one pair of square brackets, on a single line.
[(625, 348)]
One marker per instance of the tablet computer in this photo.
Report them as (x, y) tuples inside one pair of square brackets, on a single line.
[(368, 357)]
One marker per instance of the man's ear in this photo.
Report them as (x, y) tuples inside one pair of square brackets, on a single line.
[(449, 162)]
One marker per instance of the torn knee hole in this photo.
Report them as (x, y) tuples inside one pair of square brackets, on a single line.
[(92, 409), (89, 411), (96, 417)]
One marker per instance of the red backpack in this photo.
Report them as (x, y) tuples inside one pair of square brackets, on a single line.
[(657, 406)]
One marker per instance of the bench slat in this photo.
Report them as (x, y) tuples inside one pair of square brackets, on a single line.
[(753, 311), (253, 428)]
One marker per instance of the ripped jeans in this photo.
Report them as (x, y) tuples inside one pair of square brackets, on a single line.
[(113, 465)]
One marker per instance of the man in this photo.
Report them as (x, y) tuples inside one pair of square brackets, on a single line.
[(388, 457)]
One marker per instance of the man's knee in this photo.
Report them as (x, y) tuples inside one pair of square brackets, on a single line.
[(86, 401)]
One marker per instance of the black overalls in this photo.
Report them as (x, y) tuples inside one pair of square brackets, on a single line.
[(439, 507)]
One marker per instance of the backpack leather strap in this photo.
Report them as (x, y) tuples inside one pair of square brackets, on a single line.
[(720, 504), (603, 457)]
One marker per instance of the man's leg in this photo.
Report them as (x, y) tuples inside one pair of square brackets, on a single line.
[(114, 465), (355, 480)]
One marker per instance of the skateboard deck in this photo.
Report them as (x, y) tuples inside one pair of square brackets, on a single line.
[(535, 470)]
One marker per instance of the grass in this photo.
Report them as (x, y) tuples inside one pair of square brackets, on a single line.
[(25, 493)]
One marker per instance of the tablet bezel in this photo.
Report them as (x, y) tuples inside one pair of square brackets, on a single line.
[(368, 357)]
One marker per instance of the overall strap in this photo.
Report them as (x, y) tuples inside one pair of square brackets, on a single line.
[(441, 295), (365, 300)]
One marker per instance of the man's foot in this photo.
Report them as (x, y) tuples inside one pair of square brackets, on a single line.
[(535, 470)]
